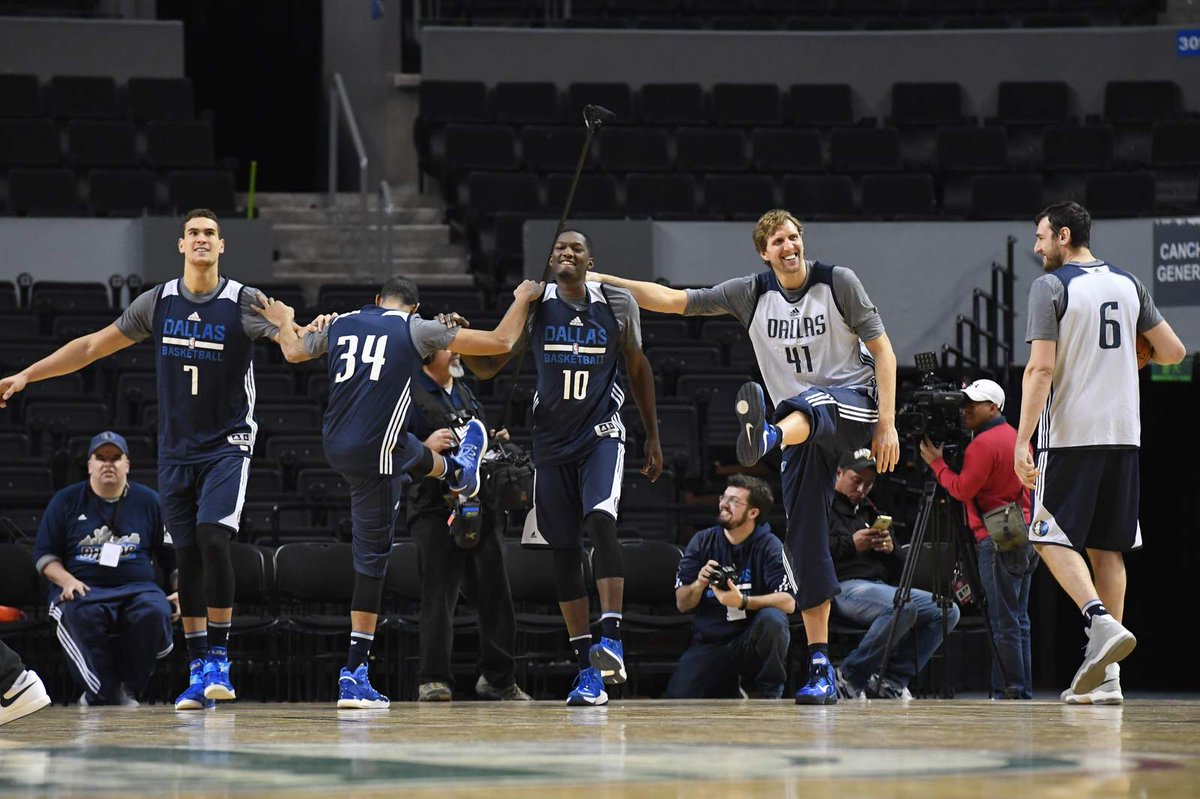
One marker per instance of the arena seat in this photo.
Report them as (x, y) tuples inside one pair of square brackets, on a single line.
[(20, 95), (1032, 103), (854, 150), (1142, 101), (710, 150), (971, 149), (821, 105), (29, 142), (1120, 194), (899, 196), (738, 196), (186, 144), (1005, 196), (547, 149), (635, 150), (616, 97), (453, 101), (82, 97), (1176, 144), (595, 195), (746, 104), (820, 196), (673, 104), (161, 99), (213, 190), (122, 192), (527, 103), (43, 192), (101, 142), (1077, 147), (775, 150), (926, 104), (660, 196)]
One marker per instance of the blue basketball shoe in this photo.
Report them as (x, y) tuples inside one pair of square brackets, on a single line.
[(588, 689), (470, 453), (355, 691), (193, 696), (216, 678), (821, 688), (608, 658)]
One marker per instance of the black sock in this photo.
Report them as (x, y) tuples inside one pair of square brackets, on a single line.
[(218, 637), (360, 648), (197, 644), (582, 645), (610, 625), (1093, 609), (815, 649)]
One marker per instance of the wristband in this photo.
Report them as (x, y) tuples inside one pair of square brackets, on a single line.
[(745, 601)]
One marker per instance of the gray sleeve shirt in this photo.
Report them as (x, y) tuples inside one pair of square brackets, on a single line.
[(1047, 303), (629, 316), (427, 337), (137, 321)]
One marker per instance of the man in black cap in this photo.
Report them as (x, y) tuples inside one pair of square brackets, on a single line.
[(97, 545), (868, 569)]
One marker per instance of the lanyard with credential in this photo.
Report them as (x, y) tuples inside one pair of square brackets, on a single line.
[(114, 521)]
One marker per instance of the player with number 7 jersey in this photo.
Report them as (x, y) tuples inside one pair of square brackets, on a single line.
[(204, 327)]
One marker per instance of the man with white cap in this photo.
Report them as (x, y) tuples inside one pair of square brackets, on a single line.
[(97, 545), (987, 482)]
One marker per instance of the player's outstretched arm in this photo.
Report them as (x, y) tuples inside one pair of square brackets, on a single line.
[(885, 447), (1035, 390), (69, 358), (497, 343), (1168, 349), (649, 296), (641, 383)]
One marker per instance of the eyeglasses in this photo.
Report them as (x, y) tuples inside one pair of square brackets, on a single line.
[(728, 500)]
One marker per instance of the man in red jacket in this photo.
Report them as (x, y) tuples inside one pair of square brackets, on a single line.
[(987, 482)]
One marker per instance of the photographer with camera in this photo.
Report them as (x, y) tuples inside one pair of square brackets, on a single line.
[(736, 579), (868, 569), (465, 553), (987, 486)]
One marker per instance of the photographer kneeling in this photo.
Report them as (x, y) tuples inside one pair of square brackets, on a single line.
[(465, 554), (733, 574), (986, 485)]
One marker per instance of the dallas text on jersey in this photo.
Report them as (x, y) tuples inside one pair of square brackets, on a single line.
[(193, 340)]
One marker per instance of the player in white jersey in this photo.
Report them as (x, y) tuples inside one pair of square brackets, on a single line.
[(831, 373), (1080, 390)]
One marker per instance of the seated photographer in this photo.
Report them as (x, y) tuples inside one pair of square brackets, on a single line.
[(868, 569), (735, 578), (988, 482), (466, 554)]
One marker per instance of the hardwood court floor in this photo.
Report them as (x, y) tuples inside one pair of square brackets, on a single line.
[(952, 749)]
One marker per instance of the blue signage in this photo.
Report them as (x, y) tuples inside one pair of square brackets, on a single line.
[(1188, 42)]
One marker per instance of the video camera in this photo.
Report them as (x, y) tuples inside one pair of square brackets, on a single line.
[(933, 409), (722, 577)]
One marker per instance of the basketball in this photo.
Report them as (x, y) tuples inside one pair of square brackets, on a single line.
[(1145, 350)]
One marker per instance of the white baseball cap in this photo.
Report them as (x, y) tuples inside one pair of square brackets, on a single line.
[(986, 391)]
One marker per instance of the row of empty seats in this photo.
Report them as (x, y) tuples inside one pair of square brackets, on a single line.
[(96, 97), (1018, 103), (116, 192), (105, 142)]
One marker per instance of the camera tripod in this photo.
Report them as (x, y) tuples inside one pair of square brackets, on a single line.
[(935, 519)]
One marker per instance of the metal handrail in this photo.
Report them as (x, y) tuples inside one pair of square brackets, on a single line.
[(340, 101)]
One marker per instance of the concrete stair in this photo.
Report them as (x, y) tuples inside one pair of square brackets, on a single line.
[(340, 244)]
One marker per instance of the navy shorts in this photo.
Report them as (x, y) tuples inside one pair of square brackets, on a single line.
[(376, 507), (1087, 499), (564, 494), (211, 492)]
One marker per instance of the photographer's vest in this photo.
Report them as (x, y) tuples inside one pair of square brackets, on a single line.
[(438, 410), (807, 343)]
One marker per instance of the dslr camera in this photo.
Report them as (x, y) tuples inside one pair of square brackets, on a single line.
[(722, 577), (933, 409)]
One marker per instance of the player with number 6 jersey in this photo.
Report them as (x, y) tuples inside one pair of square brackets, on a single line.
[(1080, 390)]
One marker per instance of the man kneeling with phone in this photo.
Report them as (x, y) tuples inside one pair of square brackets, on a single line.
[(868, 570)]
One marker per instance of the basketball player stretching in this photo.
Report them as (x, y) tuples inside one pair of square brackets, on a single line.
[(1080, 390), (831, 372)]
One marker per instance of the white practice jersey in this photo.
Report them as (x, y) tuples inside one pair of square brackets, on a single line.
[(1094, 311), (805, 338)]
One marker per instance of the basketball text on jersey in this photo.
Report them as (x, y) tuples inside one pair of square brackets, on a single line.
[(192, 339)]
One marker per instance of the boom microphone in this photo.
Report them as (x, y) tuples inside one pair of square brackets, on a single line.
[(595, 116)]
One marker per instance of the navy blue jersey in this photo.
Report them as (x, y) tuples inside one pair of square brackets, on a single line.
[(205, 376), (77, 524), (371, 363), (761, 570), (578, 393)]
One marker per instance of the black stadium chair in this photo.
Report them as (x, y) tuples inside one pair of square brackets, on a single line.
[(746, 104), (43, 192), (1077, 147), (738, 196), (1029, 103), (489, 147), (212, 190), (660, 196), (29, 142), (635, 150), (101, 142), (864, 149), (1005, 196), (161, 99), (1120, 194), (926, 104), (595, 195), (673, 104), (1176, 144), (82, 97), (489, 192), (20, 96), (122, 192), (529, 103), (829, 196), (1142, 101), (970, 149), (898, 196), (453, 101), (777, 150), (179, 144), (710, 150), (820, 105), (547, 149)]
